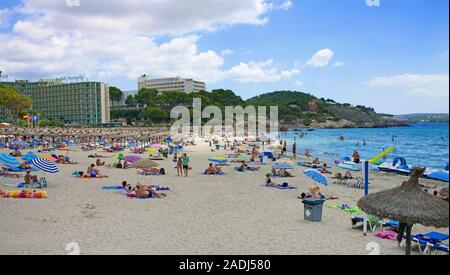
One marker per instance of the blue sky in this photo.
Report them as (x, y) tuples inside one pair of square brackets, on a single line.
[(393, 57)]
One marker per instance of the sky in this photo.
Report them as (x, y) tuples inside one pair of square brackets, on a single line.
[(392, 55)]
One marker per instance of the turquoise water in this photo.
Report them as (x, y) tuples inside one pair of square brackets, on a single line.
[(425, 144)]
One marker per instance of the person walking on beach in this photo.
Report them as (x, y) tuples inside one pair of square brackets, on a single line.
[(185, 162), (284, 148), (179, 166), (294, 149)]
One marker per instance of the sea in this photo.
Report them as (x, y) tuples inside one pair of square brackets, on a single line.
[(421, 144)]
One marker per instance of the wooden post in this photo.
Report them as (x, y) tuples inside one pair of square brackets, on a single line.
[(408, 240)]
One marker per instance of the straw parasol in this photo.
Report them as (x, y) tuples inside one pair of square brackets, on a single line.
[(408, 204)]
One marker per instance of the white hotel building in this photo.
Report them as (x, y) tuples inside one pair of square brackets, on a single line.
[(173, 84)]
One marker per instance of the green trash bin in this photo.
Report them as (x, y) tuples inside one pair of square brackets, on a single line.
[(313, 210), (165, 154)]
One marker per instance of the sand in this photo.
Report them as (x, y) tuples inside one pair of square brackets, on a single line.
[(222, 215)]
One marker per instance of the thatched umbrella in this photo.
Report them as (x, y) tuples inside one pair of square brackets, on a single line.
[(409, 205)]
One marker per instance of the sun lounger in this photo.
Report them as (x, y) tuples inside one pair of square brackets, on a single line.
[(438, 248), (372, 221), (390, 224), (428, 242)]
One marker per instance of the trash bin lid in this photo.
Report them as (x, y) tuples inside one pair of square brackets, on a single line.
[(313, 201)]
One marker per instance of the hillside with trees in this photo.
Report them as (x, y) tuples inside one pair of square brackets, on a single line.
[(296, 109)]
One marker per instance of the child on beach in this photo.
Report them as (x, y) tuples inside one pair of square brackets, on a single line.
[(180, 166)]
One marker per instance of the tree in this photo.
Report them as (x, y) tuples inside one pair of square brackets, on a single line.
[(156, 115), (130, 101), (307, 122), (14, 102), (115, 95), (147, 97)]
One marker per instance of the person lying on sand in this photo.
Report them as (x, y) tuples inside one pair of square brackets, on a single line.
[(63, 159), (127, 187), (89, 176), (9, 174), (151, 171), (97, 156), (324, 170), (16, 153), (24, 165), (144, 192), (99, 163), (269, 181), (285, 174), (211, 170), (314, 193)]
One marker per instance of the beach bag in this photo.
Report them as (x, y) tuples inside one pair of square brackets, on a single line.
[(43, 182), (162, 171)]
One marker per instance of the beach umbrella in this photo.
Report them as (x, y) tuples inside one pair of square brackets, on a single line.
[(45, 165), (9, 160), (316, 176), (30, 156), (284, 166), (409, 205), (218, 160), (132, 159)]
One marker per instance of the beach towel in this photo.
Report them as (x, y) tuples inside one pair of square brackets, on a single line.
[(387, 235), (21, 170), (112, 188), (346, 208), (280, 187), (24, 195)]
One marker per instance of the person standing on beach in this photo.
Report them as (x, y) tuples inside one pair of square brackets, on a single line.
[(179, 166), (185, 162), (294, 149), (284, 148)]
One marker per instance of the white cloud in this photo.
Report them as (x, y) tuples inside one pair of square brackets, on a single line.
[(321, 59), (107, 40), (259, 72), (431, 84), (298, 83), (339, 64), (152, 16)]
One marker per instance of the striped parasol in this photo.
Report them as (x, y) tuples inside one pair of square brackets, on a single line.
[(45, 165), (9, 160)]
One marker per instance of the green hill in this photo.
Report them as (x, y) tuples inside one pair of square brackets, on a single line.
[(295, 110)]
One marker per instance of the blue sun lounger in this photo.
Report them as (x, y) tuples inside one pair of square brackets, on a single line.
[(428, 242), (390, 224)]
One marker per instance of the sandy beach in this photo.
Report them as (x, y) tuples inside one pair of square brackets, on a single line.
[(229, 214)]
